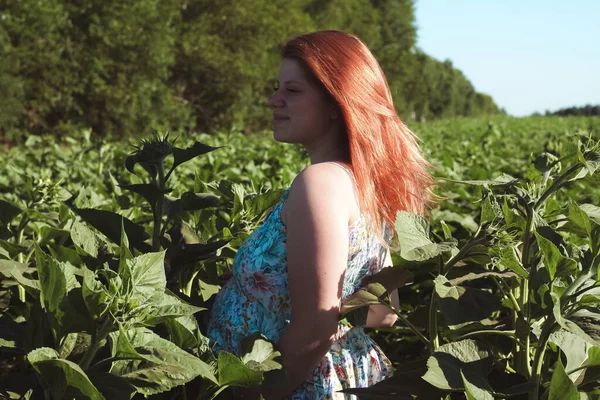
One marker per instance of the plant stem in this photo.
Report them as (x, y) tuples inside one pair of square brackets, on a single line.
[(19, 239), (433, 317), (510, 334), (415, 330), (461, 253), (433, 333), (523, 361), (538, 359), (97, 339), (158, 208)]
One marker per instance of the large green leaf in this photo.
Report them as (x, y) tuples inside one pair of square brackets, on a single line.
[(109, 223), (575, 349), (55, 280), (163, 307), (579, 218), (147, 273), (148, 191), (183, 331), (592, 211), (473, 392), (232, 371), (190, 201), (509, 259), (567, 324), (556, 263), (8, 212), (413, 236), (163, 365), (85, 239), (182, 155), (258, 353), (451, 361), (64, 378), (6, 268), (111, 386), (459, 304), (94, 294), (561, 387), (32, 286), (258, 356)]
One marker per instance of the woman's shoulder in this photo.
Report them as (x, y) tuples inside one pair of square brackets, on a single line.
[(328, 178), (324, 186)]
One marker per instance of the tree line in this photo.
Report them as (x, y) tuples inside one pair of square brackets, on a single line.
[(588, 111), (125, 68)]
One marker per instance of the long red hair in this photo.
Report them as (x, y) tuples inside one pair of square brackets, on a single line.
[(390, 171)]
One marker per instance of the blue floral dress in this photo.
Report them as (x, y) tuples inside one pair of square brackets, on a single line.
[(257, 299)]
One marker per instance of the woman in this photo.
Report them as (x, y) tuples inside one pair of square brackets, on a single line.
[(328, 232)]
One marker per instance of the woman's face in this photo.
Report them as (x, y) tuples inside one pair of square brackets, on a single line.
[(302, 112)]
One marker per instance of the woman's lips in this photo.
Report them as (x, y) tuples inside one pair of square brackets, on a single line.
[(278, 120)]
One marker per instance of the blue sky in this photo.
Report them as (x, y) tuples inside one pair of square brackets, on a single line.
[(529, 55)]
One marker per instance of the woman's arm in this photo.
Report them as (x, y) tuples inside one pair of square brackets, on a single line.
[(316, 218), (381, 316)]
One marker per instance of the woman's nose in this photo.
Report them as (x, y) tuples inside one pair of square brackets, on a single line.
[(276, 101)]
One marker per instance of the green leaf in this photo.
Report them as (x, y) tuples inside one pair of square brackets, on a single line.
[(452, 361), (8, 212), (64, 378), (509, 259), (196, 252), (53, 280), (183, 331), (111, 386), (7, 266), (413, 236), (233, 372), (182, 155), (109, 223), (489, 211), (461, 305), (197, 201), (544, 162), (258, 356), (258, 353), (580, 218), (85, 239), (163, 367), (575, 349), (473, 392), (561, 387), (32, 286), (592, 211), (503, 180), (556, 263), (569, 325), (94, 294), (165, 307), (124, 253), (148, 273), (148, 191), (370, 294)]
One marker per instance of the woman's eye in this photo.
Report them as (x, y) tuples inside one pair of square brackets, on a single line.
[(275, 87), (292, 90)]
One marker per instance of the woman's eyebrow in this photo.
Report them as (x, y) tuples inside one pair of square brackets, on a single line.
[(292, 81)]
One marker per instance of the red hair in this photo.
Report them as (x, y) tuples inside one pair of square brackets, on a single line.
[(390, 171)]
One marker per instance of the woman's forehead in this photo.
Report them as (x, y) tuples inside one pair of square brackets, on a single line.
[(293, 70)]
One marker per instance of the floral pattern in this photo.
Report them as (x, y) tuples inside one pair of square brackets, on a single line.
[(256, 299)]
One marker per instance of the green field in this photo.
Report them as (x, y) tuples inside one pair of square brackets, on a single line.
[(499, 286)]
